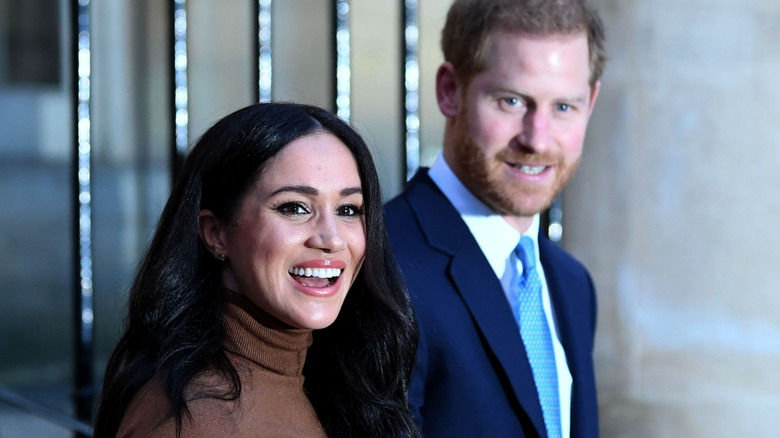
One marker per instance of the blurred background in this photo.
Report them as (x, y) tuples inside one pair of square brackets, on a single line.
[(674, 208)]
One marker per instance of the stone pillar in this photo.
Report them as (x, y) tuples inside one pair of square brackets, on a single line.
[(674, 211)]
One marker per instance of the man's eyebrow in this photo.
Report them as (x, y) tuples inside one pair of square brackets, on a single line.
[(576, 99)]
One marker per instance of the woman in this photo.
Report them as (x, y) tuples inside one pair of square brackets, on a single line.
[(272, 241)]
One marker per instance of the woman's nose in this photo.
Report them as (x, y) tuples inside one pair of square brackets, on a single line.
[(326, 234)]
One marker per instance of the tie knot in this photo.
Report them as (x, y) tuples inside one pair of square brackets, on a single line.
[(525, 253)]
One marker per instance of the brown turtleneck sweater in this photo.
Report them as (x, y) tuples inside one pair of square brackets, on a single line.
[(269, 359)]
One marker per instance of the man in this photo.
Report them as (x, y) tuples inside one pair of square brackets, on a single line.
[(507, 329)]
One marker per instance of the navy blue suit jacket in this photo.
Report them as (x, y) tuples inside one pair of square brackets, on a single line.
[(472, 377)]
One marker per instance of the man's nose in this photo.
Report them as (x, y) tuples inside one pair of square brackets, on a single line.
[(535, 134)]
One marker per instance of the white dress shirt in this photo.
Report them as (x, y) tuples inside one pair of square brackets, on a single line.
[(498, 240)]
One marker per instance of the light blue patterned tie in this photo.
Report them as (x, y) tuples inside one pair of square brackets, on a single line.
[(536, 337)]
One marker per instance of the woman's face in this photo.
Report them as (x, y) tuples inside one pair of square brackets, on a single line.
[(299, 237)]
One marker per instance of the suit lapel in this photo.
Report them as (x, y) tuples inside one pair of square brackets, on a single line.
[(567, 309), (476, 283)]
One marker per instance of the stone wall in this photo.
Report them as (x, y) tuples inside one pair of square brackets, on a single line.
[(674, 210)]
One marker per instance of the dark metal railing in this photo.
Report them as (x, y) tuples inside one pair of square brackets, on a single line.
[(263, 50), (410, 75), (342, 70), (83, 311), (179, 93)]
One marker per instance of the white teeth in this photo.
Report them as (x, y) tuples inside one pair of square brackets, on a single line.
[(532, 170), (316, 272)]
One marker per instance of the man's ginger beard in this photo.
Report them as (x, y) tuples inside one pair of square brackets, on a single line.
[(506, 197)]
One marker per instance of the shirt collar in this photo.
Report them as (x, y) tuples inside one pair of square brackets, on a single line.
[(493, 234)]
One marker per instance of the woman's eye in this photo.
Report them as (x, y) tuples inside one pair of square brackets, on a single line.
[(292, 209), (349, 210)]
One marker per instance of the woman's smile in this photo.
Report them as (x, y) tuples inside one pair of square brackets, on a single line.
[(318, 277)]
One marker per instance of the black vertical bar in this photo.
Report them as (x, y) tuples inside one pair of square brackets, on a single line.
[(341, 59), (410, 76), (255, 64), (83, 312), (552, 220), (263, 64), (178, 85)]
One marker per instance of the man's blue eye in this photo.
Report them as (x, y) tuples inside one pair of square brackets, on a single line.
[(563, 107)]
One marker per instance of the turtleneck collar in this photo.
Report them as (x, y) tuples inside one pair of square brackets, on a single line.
[(259, 337)]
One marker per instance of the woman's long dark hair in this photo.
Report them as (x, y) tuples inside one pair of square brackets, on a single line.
[(357, 370)]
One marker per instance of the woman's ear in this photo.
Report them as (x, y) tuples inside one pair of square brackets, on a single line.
[(212, 233)]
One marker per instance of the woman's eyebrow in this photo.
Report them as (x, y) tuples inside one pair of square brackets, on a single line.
[(351, 190), (308, 190), (304, 190)]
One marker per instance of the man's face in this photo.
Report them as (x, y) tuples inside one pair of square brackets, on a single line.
[(516, 137)]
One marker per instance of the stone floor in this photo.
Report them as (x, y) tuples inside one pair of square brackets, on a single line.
[(16, 422)]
